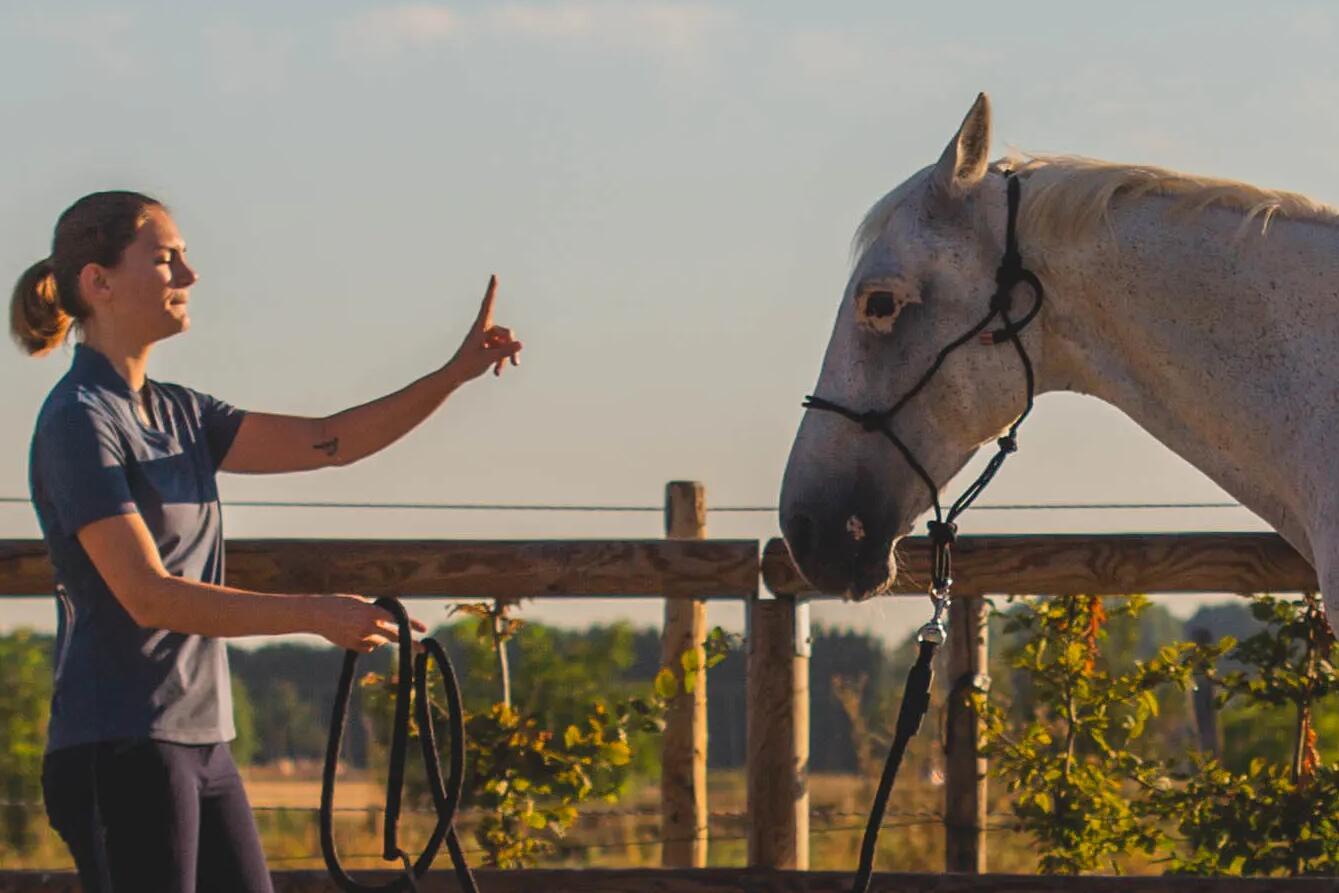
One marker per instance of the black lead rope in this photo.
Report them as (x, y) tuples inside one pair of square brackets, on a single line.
[(944, 529), (445, 794)]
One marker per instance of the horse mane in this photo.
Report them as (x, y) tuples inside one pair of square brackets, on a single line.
[(1069, 194)]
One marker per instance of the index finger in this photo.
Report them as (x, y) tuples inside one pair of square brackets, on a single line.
[(485, 318)]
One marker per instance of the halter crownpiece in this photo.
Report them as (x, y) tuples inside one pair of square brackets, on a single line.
[(943, 531)]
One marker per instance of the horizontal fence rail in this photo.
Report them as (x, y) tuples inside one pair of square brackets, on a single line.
[(1043, 564), (459, 568), (1085, 564)]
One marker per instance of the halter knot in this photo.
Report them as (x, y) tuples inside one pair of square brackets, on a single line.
[(870, 421), (1007, 444), (943, 533)]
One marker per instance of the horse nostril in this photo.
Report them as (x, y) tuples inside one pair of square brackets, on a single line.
[(799, 533)]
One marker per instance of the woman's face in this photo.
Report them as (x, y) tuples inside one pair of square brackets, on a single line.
[(149, 289)]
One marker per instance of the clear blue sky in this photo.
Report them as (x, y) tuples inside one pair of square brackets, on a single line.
[(666, 190)]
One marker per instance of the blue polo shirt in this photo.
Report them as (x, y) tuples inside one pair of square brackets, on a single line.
[(92, 457)]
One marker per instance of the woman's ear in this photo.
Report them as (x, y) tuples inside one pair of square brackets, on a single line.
[(95, 285)]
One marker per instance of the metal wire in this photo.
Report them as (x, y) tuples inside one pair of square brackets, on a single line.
[(649, 509)]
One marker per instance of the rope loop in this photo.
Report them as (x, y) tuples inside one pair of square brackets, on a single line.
[(412, 676)]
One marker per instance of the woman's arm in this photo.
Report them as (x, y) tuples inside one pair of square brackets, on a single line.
[(267, 443), (123, 551)]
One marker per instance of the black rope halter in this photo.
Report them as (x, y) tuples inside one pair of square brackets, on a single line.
[(944, 529)]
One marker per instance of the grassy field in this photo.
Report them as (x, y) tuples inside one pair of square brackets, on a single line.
[(622, 834)]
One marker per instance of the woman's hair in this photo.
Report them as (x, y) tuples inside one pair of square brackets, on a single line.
[(97, 229)]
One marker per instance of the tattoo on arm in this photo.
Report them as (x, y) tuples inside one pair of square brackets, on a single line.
[(329, 447)]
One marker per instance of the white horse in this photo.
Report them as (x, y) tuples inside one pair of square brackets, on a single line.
[(1206, 310)]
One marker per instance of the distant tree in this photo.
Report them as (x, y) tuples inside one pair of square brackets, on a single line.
[(246, 744), (287, 723), (284, 675)]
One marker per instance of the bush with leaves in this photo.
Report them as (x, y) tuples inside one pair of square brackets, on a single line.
[(527, 778), (25, 700), (1269, 817), (1073, 765)]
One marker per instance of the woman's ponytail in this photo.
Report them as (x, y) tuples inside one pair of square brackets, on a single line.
[(37, 320), (97, 229)]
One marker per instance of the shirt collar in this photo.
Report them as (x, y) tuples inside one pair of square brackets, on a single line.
[(93, 367)]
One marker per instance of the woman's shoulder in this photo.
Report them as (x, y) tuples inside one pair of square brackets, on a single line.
[(196, 402), (75, 404)]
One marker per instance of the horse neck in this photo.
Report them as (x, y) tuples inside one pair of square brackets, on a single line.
[(1217, 346)]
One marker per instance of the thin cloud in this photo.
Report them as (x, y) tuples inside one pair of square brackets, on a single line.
[(662, 26), (388, 30), (246, 60), (828, 53), (100, 37)]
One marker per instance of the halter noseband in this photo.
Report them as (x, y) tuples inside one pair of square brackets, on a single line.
[(943, 530)]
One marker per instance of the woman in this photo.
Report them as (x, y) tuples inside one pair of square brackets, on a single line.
[(138, 778)]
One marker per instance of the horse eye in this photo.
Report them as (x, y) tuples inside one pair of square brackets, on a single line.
[(880, 304)]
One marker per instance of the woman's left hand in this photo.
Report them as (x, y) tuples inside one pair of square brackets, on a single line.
[(486, 344)]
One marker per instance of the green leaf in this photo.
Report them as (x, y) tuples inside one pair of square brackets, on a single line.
[(666, 685), (617, 753)]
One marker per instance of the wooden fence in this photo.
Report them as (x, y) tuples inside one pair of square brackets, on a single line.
[(685, 569)]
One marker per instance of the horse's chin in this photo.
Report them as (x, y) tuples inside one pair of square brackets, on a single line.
[(874, 579)]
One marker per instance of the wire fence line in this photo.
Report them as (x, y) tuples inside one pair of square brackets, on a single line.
[(657, 509), (572, 847), (900, 819), (594, 815)]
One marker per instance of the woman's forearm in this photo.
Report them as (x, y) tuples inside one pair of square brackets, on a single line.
[(194, 608), (363, 430)]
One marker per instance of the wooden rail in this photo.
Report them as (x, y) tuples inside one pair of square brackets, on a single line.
[(1062, 564), (1086, 564), (694, 569), (735, 880)]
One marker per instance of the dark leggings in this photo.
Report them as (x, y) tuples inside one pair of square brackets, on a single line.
[(153, 816)]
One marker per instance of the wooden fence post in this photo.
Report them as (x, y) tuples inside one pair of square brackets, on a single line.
[(965, 768), (778, 733), (683, 774)]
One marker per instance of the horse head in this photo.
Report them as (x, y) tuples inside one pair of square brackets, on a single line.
[(925, 270)]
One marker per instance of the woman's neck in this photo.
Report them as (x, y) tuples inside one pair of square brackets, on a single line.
[(131, 361)]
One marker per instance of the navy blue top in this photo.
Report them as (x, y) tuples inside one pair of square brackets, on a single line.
[(93, 457)]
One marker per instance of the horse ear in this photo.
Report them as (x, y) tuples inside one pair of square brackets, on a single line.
[(965, 160)]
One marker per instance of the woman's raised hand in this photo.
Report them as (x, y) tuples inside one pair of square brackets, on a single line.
[(355, 623), (486, 344)]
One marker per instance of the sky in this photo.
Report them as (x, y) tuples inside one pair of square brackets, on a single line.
[(667, 192)]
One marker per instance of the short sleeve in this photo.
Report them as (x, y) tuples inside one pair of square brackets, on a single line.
[(82, 467), (220, 421)]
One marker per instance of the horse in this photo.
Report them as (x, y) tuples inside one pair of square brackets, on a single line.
[(1204, 309)]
